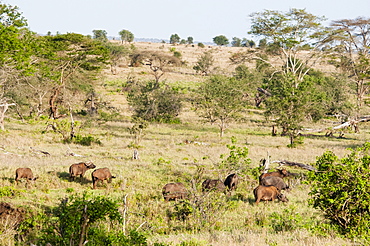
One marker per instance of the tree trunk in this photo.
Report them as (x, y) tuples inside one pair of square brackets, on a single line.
[(3, 108)]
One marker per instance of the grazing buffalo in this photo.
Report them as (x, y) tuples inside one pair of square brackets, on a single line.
[(80, 169), (268, 193), (24, 173), (275, 181), (231, 182), (213, 184), (101, 174), (281, 173), (174, 191)]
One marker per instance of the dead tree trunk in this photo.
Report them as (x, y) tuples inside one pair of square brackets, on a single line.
[(3, 108)]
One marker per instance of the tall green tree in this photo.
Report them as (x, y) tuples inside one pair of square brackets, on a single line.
[(221, 40), (350, 44), (237, 42), (287, 34), (126, 36), (67, 64), (174, 39), (100, 35), (220, 100), (190, 40), (17, 48), (155, 102)]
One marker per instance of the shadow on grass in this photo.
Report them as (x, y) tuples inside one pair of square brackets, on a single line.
[(11, 180), (66, 177)]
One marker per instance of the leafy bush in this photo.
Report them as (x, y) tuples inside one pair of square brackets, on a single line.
[(7, 191), (340, 188), (86, 140), (154, 102), (237, 160), (287, 220), (76, 220)]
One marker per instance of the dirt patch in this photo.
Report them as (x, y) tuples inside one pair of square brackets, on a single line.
[(11, 214)]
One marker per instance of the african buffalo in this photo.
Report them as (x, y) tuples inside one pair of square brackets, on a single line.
[(275, 181), (101, 174), (281, 173), (268, 193), (231, 182), (174, 191), (213, 184), (24, 173), (80, 169)]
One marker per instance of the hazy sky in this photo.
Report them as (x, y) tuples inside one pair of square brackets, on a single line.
[(200, 19)]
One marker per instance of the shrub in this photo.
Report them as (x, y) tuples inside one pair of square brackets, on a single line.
[(86, 140), (340, 188), (153, 102), (76, 220), (8, 191)]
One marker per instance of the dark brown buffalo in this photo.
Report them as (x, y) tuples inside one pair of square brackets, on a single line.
[(25, 173), (213, 184), (231, 182), (275, 181), (281, 173), (101, 174), (174, 191), (268, 193), (80, 169)]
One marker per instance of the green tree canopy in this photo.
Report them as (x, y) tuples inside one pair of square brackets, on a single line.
[(126, 36), (174, 39), (154, 102), (350, 44), (288, 33), (237, 42), (190, 40), (100, 35), (220, 100), (221, 40)]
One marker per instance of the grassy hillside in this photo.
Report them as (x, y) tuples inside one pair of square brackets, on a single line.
[(166, 157)]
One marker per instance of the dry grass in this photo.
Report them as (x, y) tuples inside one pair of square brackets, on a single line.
[(164, 157)]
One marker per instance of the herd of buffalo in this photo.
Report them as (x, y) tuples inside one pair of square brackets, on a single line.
[(75, 170), (270, 184)]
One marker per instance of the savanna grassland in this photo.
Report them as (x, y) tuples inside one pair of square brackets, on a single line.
[(187, 152)]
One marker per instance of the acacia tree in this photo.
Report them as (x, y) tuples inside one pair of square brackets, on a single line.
[(68, 63), (126, 36), (286, 34), (116, 53), (174, 39), (351, 46), (16, 49), (100, 35), (221, 40), (220, 100), (204, 63)]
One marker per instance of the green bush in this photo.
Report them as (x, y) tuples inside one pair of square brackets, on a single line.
[(77, 218), (340, 189), (7, 191), (155, 102), (86, 140)]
